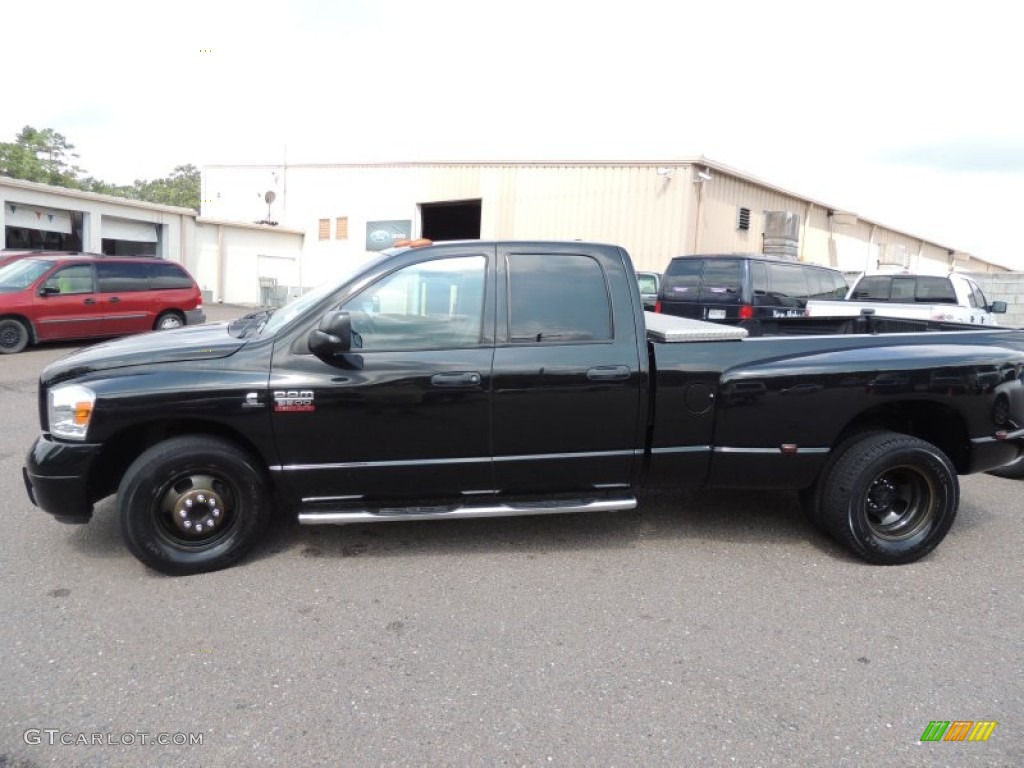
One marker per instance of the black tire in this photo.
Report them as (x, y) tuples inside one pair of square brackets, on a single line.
[(890, 498), (193, 504), (811, 498), (14, 336), (1014, 470), (169, 320)]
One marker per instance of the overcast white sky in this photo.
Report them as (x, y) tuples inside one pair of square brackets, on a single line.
[(902, 111)]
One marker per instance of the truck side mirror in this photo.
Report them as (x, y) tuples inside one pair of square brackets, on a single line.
[(333, 337), (997, 307)]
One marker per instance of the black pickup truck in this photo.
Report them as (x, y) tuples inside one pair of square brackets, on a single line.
[(465, 380)]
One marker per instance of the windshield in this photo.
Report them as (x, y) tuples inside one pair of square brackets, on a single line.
[(21, 274)]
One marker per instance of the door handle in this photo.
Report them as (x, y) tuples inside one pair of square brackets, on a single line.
[(608, 373), (114, 299), (89, 301), (460, 379)]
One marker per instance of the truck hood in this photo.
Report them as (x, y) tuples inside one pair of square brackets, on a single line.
[(200, 342)]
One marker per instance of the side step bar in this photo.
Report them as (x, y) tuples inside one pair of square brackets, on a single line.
[(458, 511)]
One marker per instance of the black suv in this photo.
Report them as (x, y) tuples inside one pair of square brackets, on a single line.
[(729, 288)]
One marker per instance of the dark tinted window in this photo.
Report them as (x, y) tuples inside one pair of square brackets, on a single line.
[(876, 288), (557, 298), (682, 280), (722, 282), (935, 290), (788, 284), (759, 278), (163, 274), (121, 277)]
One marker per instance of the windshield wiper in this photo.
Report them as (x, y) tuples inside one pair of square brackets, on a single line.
[(250, 324)]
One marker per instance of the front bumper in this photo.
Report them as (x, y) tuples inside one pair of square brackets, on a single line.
[(57, 478), (194, 317)]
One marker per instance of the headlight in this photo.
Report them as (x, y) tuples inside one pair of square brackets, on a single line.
[(70, 409)]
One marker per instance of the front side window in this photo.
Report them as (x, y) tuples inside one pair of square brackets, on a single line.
[(978, 297), (557, 298), (431, 305), (73, 279)]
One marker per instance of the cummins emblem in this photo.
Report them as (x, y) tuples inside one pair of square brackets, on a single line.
[(293, 400)]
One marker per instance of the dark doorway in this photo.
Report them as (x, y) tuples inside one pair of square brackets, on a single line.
[(459, 220)]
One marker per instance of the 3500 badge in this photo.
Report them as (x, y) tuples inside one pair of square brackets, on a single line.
[(294, 400)]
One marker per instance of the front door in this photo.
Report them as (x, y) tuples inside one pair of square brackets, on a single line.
[(406, 414), (67, 305)]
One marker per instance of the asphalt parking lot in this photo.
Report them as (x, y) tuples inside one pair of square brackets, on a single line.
[(704, 628)]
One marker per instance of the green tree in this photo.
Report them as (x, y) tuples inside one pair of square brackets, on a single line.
[(48, 157), (181, 188), (44, 156)]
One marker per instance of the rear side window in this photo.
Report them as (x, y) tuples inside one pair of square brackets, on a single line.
[(164, 275), (788, 284), (556, 299), (121, 277)]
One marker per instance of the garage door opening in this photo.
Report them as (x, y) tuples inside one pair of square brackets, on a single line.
[(458, 220)]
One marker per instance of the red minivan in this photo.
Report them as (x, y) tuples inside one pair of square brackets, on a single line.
[(55, 297)]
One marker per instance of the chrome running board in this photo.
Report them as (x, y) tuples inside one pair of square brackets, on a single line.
[(457, 511)]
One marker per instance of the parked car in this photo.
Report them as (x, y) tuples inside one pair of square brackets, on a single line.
[(649, 283), (952, 298), (80, 296), (730, 288)]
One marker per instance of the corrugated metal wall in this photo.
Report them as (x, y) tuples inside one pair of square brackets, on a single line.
[(656, 211)]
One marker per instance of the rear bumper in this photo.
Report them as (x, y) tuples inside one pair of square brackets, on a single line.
[(194, 317), (57, 478)]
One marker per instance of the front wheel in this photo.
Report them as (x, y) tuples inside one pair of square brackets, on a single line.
[(192, 504), (890, 498), (13, 336)]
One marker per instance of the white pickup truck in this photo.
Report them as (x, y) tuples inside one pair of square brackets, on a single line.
[(952, 297)]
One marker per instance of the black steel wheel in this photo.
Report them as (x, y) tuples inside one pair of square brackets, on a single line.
[(193, 504), (13, 336), (168, 320), (890, 498)]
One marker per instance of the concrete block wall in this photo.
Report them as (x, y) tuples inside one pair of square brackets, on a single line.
[(1004, 286)]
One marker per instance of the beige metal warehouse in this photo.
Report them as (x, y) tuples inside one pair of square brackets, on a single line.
[(657, 210)]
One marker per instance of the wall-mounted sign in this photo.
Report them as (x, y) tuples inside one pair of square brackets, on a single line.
[(381, 234)]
